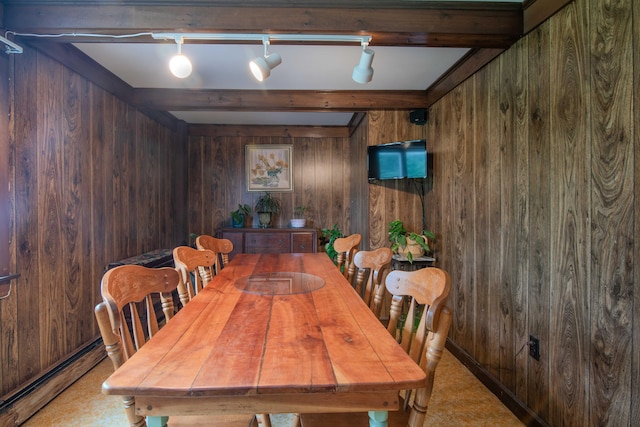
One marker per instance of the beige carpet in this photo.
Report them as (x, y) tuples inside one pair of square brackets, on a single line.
[(459, 399)]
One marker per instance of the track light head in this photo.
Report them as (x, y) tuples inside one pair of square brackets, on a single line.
[(180, 65), (261, 67), (363, 73)]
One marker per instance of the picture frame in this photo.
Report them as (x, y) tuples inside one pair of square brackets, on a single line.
[(269, 167)]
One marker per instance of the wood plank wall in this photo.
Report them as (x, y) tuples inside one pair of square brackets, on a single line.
[(92, 181), (393, 199), (322, 176), (537, 194)]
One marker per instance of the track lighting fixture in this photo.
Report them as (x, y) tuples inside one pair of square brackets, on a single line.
[(180, 65), (362, 73), (261, 67)]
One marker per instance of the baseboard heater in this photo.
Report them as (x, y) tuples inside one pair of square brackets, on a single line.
[(17, 407)]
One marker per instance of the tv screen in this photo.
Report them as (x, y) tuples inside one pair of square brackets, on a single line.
[(397, 160)]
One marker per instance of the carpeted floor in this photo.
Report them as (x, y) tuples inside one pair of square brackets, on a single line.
[(458, 399)]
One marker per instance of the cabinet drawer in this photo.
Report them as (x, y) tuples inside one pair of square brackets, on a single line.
[(302, 242), (267, 243)]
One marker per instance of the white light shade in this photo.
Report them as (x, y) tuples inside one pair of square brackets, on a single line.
[(362, 73), (180, 66), (261, 67)]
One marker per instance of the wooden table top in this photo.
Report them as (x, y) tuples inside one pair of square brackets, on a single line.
[(232, 342)]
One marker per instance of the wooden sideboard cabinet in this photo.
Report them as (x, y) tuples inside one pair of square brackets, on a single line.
[(270, 240)]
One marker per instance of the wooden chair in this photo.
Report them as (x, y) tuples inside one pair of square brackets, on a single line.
[(221, 247), (372, 268), (195, 266), (125, 330), (423, 336), (347, 247)]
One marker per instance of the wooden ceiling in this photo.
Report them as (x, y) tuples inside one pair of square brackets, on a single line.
[(488, 28)]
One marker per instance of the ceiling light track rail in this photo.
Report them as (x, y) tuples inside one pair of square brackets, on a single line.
[(318, 38)]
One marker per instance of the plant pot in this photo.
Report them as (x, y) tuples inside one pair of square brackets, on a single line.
[(264, 218), (415, 249), (237, 224), (298, 222)]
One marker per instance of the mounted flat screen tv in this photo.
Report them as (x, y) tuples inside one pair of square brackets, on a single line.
[(397, 160)]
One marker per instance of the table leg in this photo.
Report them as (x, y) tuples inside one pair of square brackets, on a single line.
[(157, 421), (378, 419)]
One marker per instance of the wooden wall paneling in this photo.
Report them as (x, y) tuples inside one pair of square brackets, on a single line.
[(570, 231), (158, 150), (195, 184), (341, 174), (25, 363), (8, 305), (537, 395), (146, 204), (214, 168), (126, 135), (235, 150), (377, 207), (446, 259), (461, 239), (433, 199), (97, 183), (521, 216), (508, 217), (50, 203), (461, 303), (120, 180), (359, 185), (152, 151), (612, 216), (635, 122), (107, 176), (480, 216), (324, 217), (73, 196), (495, 218), (305, 180)]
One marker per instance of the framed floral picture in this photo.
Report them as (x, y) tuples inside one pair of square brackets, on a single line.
[(269, 167)]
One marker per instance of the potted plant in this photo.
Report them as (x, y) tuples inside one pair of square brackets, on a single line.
[(238, 216), (329, 235), (410, 245), (298, 220), (266, 205)]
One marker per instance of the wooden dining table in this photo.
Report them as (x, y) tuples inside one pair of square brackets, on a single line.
[(271, 333)]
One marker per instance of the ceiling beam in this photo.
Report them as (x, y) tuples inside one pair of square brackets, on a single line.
[(452, 24), (215, 131), (278, 100)]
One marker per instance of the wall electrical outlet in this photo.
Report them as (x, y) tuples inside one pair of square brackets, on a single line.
[(534, 347)]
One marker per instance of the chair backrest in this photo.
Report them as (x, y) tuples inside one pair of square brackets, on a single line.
[(372, 268), (124, 289), (347, 247), (221, 247), (196, 267), (426, 326)]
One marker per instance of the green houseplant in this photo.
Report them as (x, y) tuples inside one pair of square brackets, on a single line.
[(238, 216), (266, 206), (409, 244), (329, 235)]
